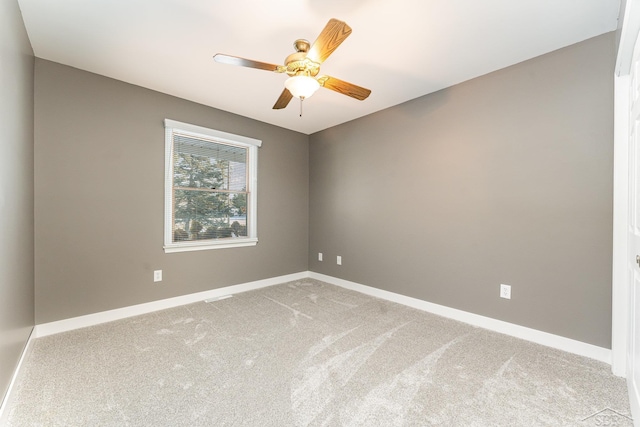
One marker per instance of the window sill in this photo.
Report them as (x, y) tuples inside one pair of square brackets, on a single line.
[(202, 246)]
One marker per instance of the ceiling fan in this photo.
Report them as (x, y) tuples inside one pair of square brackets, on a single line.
[(304, 65)]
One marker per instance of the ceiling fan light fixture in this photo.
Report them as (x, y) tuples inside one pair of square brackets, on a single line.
[(304, 65), (302, 86)]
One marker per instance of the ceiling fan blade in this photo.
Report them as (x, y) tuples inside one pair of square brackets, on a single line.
[(284, 99), (235, 60), (344, 88), (334, 33)]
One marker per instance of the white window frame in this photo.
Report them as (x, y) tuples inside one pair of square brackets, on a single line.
[(216, 136)]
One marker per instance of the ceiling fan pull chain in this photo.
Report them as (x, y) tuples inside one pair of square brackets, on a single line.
[(301, 99)]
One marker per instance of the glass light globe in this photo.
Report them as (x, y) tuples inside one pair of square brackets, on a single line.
[(302, 86)]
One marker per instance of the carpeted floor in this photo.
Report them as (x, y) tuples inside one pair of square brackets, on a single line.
[(307, 353)]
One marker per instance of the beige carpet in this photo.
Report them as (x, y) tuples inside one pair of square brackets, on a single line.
[(307, 353)]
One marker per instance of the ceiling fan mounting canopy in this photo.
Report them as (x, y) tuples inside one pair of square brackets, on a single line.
[(304, 65), (302, 45)]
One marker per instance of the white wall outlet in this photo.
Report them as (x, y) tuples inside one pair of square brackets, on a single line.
[(157, 276), (319, 256), (339, 260), (505, 291)]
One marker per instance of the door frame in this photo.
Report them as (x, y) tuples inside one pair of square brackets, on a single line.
[(621, 321)]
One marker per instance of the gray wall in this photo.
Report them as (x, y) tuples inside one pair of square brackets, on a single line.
[(506, 178), (99, 188), (503, 179), (16, 190)]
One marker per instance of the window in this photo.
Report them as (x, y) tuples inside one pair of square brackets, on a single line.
[(210, 188)]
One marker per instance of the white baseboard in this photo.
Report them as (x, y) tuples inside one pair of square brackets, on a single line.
[(522, 332), (533, 335), (135, 310), (7, 403), (634, 399)]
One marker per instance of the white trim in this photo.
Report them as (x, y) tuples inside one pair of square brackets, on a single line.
[(168, 185), (200, 246), (623, 330), (632, 391), (630, 30), (135, 310), (211, 133), (533, 335), (7, 403), (550, 340), (620, 282)]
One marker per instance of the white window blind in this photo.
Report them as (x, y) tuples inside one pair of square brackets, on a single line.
[(210, 188)]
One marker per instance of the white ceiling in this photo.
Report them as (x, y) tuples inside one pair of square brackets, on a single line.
[(399, 49)]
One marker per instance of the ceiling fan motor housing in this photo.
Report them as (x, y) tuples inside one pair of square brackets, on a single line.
[(298, 64)]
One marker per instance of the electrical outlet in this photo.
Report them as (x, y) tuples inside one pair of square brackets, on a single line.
[(339, 260), (319, 256), (505, 291), (157, 276)]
